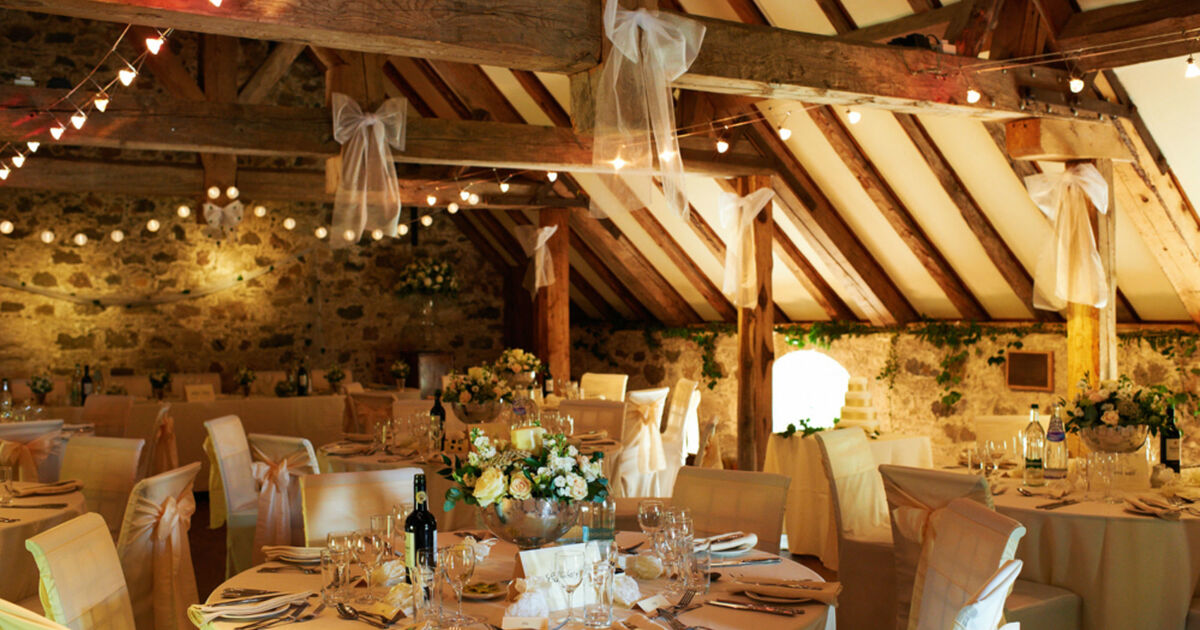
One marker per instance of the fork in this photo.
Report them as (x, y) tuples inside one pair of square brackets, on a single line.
[(296, 610), (306, 570)]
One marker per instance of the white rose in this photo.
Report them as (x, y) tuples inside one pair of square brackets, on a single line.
[(490, 487)]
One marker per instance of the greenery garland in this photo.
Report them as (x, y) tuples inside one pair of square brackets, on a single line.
[(1178, 346)]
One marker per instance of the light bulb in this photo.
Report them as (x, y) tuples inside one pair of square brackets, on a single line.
[(504, 187), (232, 192), (430, 200), (18, 160), (126, 75), (47, 237), (321, 232), (260, 211), (77, 120), (80, 239), (784, 133), (214, 192), (215, 3), (973, 96), (4, 172), (427, 220), (349, 236), (618, 163), (452, 208), (464, 194), (722, 146), (377, 234), (402, 229), (153, 225), (183, 212), (1193, 70), (33, 145), (117, 236), (289, 223), (6, 227), (474, 200), (154, 44), (56, 132), (854, 116), (101, 102), (1076, 85), (667, 155), (552, 176)]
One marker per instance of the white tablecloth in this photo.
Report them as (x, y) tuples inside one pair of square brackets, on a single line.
[(500, 564), (1131, 571), (809, 520), (19, 577)]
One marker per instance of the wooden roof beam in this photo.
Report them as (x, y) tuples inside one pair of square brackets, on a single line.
[(270, 72), (1171, 23)]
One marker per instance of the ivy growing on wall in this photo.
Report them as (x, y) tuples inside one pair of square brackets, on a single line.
[(705, 337), (1180, 347)]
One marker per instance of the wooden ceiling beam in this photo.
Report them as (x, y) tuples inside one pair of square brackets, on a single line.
[(973, 26), (219, 56), (270, 72), (678, 255), (1135, 32), (577, 280), (167, 69), (609, 278)]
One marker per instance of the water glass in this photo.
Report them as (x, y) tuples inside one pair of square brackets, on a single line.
[(422, 573), (699, 567), (333, 577), (598, 614), (7, 473)]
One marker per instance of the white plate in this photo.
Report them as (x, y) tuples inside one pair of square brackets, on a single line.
[(480, 597), (767, 599), (732, 553), (274, 612)]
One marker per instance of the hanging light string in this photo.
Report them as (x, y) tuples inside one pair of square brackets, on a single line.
[(1084, 52)]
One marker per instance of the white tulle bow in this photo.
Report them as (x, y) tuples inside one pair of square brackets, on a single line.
[(1069, 268), (223, 220), (368, 193), (633, 98), (740, 284), (533, 241)]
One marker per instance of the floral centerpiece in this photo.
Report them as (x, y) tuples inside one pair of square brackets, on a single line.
[(1115, 416), (477, 394), (40, 386), (518, 366), (529, 496), (285, 388), (159, 379), (425, 276), (334, 375), (400, 372), (244, 377)]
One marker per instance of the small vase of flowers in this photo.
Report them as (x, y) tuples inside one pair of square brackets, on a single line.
[(159, 380), (40, 386), (400, 372), (518, 366), (334, 376), (245, 376), (1115, 416), (476, 396)]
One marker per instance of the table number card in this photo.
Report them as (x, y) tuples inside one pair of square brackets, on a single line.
[(540, 563), (199, 393)]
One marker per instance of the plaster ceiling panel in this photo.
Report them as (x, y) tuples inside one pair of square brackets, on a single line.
[(718, 9), (868, 12), (796, 15), (1141, 279)]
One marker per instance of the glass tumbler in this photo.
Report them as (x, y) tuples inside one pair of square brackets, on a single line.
[(598, 613), (333, 576)]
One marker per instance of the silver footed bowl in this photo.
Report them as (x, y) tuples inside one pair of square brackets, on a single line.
[(476, 413), (531, 523), (1119, 439)]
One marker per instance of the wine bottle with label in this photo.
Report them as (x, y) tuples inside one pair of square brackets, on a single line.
[(302, 380), (85, 384), (1169, 441), (438, 414), (420, 528)]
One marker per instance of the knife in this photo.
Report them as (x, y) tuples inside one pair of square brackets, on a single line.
[(1057, 504), (781, 584), (744, 563), (39, 506), (248, 600), (773, 610), (722, 538)]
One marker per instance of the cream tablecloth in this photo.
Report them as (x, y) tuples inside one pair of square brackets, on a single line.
[(499, 566), (809, 519), (19, 577)]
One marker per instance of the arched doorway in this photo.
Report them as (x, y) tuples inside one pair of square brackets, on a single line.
[(807, 385)]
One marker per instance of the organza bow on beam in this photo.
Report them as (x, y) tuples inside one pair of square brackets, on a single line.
[(368, 193), (1069, 268), (633, 98), (533, 241), (737, 216)]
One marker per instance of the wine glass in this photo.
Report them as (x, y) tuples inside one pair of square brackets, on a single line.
[(458, 564), (650, 512), (368, 550), (568, 572), (6, 478)]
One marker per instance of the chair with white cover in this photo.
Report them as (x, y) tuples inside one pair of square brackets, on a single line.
[(642, 459), (233, 495), (154, 550), (985, 610), (279, 461), (682, 407), (162, 452), (708, 450), (109, 414), (82, 586), (753, 502), (603, 386), (912, 494), (107, 467), (368, 410), (596, 415), (14, 617), (865, 562), (337, 502), (34, 449)]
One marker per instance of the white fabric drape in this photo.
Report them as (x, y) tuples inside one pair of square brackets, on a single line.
[(27, 456), (276, 494), (165, 526), (633, 98), (740, 284), (650, 457), (165, 452), (368, 193), (533, 241), (1069, 268)]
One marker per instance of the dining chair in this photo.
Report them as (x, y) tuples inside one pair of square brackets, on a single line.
[(682, 408), (368, 410), (231, 479), (336, 502), (279, 461), (985, 611), (963, 545), (34, 449), (753, 502), (109, 414), (913, 493), (82, 586), (15, 617), (596, 415), (603, 386), (107, 468), (642, 458), (154, 551), (866, 567), (162, 452)]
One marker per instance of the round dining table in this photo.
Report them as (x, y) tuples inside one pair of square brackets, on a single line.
[(501, 563), (17, 523)]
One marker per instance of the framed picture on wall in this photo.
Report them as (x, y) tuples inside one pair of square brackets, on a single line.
[(1030, 371)]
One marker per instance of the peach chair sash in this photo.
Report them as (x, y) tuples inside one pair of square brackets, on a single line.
[(650, 456), (156, 537), (166, 452), (216, 489), (14, 617), (27, 456), (276, 487)]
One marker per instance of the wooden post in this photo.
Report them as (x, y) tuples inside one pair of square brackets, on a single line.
[(756, 344), (552, 306), (1091, 332)]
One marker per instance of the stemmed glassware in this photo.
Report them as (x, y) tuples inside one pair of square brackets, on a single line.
[(368, 551), (458, 565), (568, 572), (339, 545), (650, 512), (6, 478)]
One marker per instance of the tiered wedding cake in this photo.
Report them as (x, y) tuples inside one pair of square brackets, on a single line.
[(858, 411)]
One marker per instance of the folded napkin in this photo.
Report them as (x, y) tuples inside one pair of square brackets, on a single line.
[(389, 573), (626, 591), (46, 489), (292, 554), (1057, 489), (201, 614), (346, 449), (552, 401), (824, 592), (481, 547), (730, 541), (1153, 504), (532, 599), (399, 596), (642, 567), (358, 437)]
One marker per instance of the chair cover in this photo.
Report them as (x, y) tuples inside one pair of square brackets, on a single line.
[(642, 457), (369, 409), (603, 386), (163, 452), (278, 463), (708, 450), (596, 415), (229, 453), (965, 543), (181, 380), (110, 414), (154, 550), (34, 448), (14, 617), (108, 469), (81, 582), (338, 502), (681, 407), (747, 501), (985, 611), (865, 562), (912, 495)]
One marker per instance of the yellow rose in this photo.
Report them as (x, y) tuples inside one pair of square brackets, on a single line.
[(490, 486), (519, 487)]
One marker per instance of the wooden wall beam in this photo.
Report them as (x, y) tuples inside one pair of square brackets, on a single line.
[(270, 72), (219, 57), (167, 69), (552, 319), (756, 342), (1057, 140)]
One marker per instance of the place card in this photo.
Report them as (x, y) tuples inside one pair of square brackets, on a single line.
[(653, 603), (520, 623), (199, 393)]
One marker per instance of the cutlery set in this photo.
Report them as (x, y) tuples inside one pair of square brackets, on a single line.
[(745, 563), (37, 506)]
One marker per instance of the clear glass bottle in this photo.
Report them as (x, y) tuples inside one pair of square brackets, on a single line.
[(1035, 447), (6, 401), (1055, 459)]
